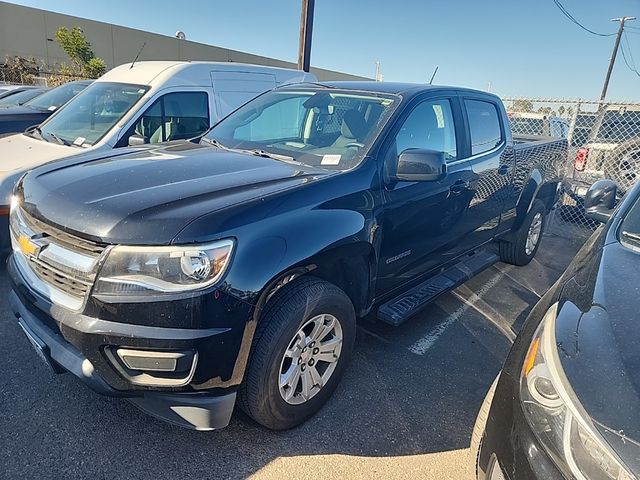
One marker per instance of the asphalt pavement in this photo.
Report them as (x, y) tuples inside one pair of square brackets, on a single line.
[(405, 408)]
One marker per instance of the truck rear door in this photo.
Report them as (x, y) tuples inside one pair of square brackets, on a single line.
[(492, 162), (233, 89)]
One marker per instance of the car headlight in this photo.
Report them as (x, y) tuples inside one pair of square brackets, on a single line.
[(556, 416), (140, 271)]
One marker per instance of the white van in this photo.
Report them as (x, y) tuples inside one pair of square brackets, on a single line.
[(135, 104)]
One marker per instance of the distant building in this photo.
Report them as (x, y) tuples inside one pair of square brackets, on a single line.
[(30, 32)]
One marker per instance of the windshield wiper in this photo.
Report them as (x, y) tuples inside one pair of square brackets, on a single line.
[(257, 152), (58, 139), (275, 156), (35, 129)]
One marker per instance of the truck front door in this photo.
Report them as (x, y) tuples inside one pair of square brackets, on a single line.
[(424, 221)]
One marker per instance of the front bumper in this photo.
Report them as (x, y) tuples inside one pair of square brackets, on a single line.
[(510, 449), (72, 342)]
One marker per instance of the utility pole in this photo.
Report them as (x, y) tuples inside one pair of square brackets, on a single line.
[(306, 30), (612, 61), (379, 77)]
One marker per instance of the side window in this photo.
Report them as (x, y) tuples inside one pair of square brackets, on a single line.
[(484, 124), (174, 116), (186, 115), (149, 122), (429, 126), (280, 121)]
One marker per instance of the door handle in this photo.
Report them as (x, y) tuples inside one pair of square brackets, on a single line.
[(503, 169), (459, 187)]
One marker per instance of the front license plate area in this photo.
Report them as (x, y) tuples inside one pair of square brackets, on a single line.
[(42, 350)]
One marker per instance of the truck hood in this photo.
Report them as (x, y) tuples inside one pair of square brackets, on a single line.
[(148, 196), (21, 152)]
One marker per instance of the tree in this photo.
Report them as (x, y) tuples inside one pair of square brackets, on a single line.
[(77, 47), (522, 105)]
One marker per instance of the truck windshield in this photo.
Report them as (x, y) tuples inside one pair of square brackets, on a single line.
[(20, 97), (56, 97), (327, 128), (619, 126), (92, 113)]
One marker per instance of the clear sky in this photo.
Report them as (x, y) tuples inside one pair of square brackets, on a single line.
[(518, 47)]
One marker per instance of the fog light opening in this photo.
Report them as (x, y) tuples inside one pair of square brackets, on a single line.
[(153, 368)]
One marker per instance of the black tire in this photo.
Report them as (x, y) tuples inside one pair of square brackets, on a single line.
[(622, 165), (290, 308), (480, 424), (514, 251)]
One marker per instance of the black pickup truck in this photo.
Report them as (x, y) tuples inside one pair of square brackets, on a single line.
[(233, 267)]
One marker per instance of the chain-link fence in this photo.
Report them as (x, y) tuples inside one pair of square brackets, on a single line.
[(41, 79), (604, 142)]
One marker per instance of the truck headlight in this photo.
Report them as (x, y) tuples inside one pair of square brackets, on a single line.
[(556, 416), (140, 271)]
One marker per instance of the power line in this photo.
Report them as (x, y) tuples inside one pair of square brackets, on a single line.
[(631, 65), (573, 19), (626, 40)]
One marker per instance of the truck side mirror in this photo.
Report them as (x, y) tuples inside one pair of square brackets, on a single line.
[(600, 200), (420, 165), (135, 140)]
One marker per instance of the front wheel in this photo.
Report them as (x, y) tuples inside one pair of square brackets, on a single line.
[(300, 350), (521, 249)]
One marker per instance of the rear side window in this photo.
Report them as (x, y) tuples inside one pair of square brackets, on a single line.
[(484, 124)]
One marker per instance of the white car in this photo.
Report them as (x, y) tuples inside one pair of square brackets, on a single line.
[(135, 104)]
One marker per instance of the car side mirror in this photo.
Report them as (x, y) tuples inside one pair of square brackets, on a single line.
[(135, 140), (600, 200), (420, 165)]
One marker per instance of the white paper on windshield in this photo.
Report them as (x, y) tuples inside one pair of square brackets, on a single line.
[(52, 108), (79, 141), (330, 159)]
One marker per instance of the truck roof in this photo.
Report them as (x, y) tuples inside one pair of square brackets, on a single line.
[(167, 73), (397, 88)]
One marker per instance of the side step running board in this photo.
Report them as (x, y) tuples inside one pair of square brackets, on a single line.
[(400, 309)]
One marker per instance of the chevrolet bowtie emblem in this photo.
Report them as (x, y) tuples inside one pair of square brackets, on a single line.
[(28, 247)]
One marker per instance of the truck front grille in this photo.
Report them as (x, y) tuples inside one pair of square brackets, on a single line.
[(60, 280), (61, 266)]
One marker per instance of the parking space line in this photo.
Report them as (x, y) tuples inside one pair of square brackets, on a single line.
[(422, 345), (505, 269), (486, 310)]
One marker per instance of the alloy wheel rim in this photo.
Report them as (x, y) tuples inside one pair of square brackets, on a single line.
[(310, 359), (628, 167), (533, 236)]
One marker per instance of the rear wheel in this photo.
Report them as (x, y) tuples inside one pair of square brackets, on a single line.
[(300, 350), (521, 249), (624, 165)]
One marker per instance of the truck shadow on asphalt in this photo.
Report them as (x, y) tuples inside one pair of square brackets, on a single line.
[(410, 390)]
